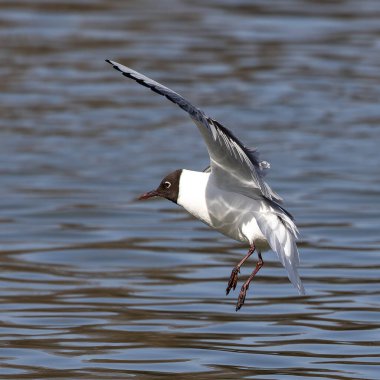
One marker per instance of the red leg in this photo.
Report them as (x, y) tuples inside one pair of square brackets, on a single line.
[(235, 272), (244, 288)]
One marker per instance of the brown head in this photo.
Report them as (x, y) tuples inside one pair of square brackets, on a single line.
[(168, 188)]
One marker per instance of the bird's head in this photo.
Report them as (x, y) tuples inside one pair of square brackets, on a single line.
[(168, 188)]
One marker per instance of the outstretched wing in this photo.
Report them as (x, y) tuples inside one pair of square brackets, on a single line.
[(233, 165)]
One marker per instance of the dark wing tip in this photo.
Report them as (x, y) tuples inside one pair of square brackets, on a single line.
[(127, 74), (113, 65)]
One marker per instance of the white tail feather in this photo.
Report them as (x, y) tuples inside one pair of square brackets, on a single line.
[(280, 233)]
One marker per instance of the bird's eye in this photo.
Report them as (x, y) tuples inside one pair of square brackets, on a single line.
[(167, 184)]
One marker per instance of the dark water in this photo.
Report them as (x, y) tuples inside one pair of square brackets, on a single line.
[(96, 285)]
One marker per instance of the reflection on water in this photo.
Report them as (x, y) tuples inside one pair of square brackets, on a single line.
[(96, 285)]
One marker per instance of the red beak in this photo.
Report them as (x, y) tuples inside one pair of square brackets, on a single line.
[(149, 194)]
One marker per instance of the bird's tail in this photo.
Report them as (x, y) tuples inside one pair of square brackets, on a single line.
[(281, 233)]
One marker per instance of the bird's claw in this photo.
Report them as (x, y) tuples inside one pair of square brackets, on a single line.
[(233, 280), (241, 298)]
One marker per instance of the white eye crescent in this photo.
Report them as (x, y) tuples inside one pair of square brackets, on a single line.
[(167, 184)]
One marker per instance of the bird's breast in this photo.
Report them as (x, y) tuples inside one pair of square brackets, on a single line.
[(230, 213)]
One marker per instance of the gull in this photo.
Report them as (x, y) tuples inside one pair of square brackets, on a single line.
[(231, 195)]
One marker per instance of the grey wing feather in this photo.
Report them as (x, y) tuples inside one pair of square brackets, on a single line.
[(232, 164), (194, 112)]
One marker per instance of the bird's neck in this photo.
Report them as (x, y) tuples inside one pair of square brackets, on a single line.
[(192, 193)]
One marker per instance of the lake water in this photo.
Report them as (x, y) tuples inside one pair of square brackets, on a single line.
[(96, 285)]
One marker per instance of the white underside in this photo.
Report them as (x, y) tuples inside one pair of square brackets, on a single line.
[(230, 213), (242, 218)]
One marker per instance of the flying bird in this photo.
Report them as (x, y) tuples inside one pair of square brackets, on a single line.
[(231, 195)]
